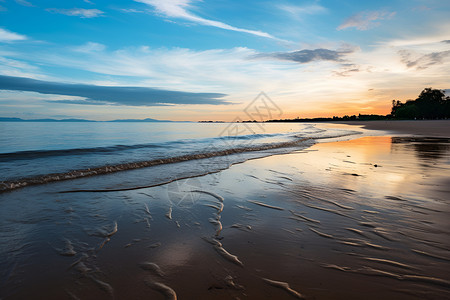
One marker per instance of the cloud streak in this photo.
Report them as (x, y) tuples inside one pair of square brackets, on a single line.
[(306, 56), (366, 20), (180, 9), (424, 61), (24, 3), (117, 95), (77, 12), (8, 36), (297, 10), (90, 47)]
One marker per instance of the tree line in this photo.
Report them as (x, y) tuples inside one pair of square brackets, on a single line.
[(431, 104)]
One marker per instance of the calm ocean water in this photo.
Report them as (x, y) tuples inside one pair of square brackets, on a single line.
[(36, 149)]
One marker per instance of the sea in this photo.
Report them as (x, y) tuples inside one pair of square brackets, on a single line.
[(41, 152)]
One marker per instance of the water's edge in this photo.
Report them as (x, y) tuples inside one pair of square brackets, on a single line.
[(299, 142)]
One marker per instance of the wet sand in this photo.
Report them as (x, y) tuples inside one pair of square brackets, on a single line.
[(428, 128), (366, 218)]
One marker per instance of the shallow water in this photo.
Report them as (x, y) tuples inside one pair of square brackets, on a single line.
[(366, 218), (36, 153)]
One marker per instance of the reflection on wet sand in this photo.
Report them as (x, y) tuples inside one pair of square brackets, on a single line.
[(425, 148), (282, 227)]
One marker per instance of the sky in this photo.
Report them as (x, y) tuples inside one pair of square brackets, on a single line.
[(198, 60)]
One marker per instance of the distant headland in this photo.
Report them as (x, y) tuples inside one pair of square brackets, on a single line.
[(2, 119)]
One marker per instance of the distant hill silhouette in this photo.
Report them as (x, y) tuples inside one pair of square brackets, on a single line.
[(80, 120), (41, 120)]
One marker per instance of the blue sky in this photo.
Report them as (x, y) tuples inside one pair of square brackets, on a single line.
[(197, 60)]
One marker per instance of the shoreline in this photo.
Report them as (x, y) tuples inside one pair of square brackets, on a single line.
[(365, 217), (429, 128), (6, 186)]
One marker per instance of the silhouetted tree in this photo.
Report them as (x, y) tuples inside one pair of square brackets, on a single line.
[(431, 104), (396, 104), (407, 111)]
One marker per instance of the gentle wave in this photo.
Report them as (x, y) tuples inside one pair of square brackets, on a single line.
[(218, 146), (14, 184), (27, 155), (36, 154)]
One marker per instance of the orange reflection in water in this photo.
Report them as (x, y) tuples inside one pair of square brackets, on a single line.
[(368, 164)]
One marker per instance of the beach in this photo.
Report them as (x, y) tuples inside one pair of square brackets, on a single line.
[(430, 128), (354, 216)]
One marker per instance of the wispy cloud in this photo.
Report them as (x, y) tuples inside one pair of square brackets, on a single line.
[(90, 47), (8, 36), (430, 40), (217, 70), (132, 10), (236, 71), (347, 70), (422, 62), (299, 10), (180, 9), (77, 12), (24, 3), (366, 19), (118, 95), (306, 56), (446, 41), (12, 67)]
